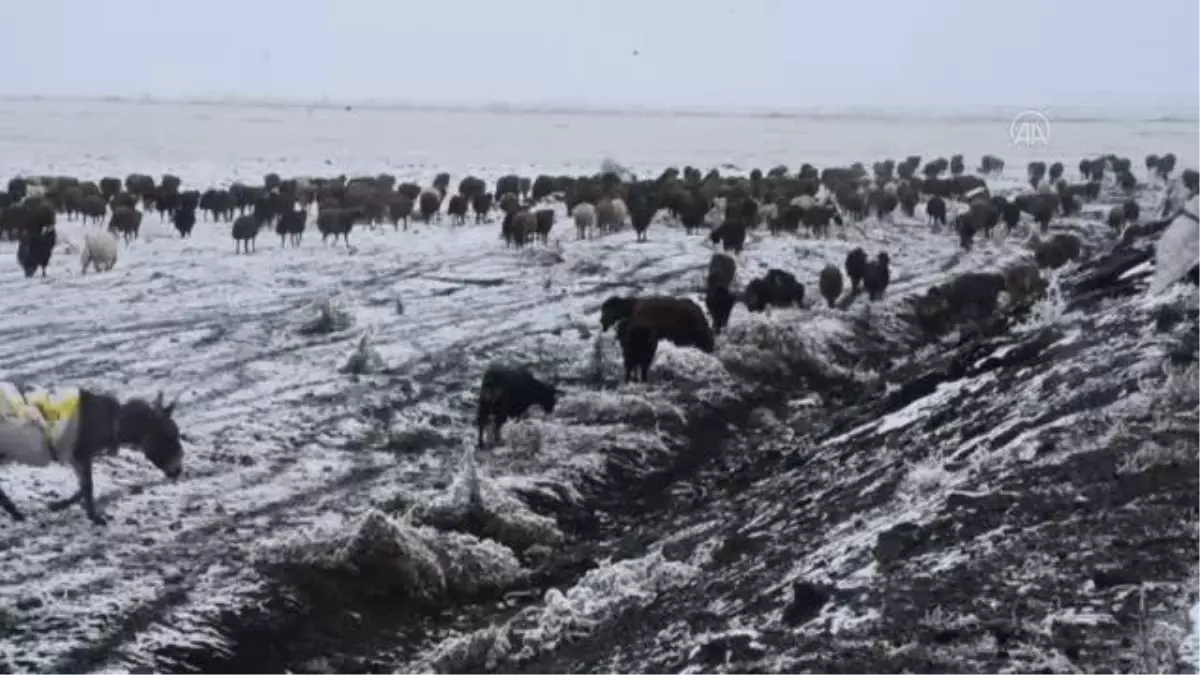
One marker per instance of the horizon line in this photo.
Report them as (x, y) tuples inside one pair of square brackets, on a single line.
[(1074, 112)]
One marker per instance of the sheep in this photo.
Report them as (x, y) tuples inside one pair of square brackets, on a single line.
[(127, 221), (543, 222), (481, 204), (336, 222), (1023, 282), (935, 210), (676, 319), (428, 205), (457, 208), (719, 301), (731, 235), (99, 250), (830, 283), (400, 207), (1058, 251), (610, 214), (93, 207), (968, 297), (184, 220), (35, 248), (641, 213), (776, 288), (876, 276), (639, 344), (856, 264), (245, 233), (507, 392), (1116, 218), (721, 270), (291, 226), (584, 215)]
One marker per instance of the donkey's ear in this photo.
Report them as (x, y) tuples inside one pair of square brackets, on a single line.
[(158, 400), (168, 409)]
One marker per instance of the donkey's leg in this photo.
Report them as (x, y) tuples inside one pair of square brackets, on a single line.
[(8, 505), (83, 471)]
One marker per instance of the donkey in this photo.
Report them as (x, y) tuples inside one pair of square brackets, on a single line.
[(75, 427)]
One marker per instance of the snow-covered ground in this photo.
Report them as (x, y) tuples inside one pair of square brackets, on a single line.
[(283, 448)]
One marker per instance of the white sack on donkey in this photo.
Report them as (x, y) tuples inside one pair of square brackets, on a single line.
[(74, 426)]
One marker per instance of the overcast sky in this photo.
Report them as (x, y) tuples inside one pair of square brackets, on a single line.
[(662, 53)]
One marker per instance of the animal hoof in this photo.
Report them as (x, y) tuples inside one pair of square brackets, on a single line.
[(97, 519)]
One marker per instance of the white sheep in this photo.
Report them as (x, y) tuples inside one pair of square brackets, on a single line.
[(584, 215), (99, 249)]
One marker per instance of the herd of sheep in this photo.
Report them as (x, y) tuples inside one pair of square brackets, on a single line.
[(725, 207)]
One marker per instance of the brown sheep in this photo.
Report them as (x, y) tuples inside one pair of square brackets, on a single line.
[(400, 207), (481, 204), (518, 228), (1058, 251), (679, 320), (545, 221), (830, 283), (1023, 282)]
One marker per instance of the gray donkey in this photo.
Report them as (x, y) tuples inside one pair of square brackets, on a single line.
[(75, 427)]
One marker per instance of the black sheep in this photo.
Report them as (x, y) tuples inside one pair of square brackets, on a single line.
[(35, 248), (507, 392), (291, 226), (830, 283), (876, 277), (856, 264), (457, 208), (719, 301), (721, 270), (639, 344), (776, 288), (185, 220), (245, 233), (935, 210), (731, 234)]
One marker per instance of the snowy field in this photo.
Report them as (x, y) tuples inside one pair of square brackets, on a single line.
[(287, 453)]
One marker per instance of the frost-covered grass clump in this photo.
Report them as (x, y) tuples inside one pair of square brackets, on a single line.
[(926, 477), (329, 316), (364, 360), (475, 503), (633, 405), (788, 343), (599, 596), (690, 368), (458, 543), (408, 437), (394, 557)]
